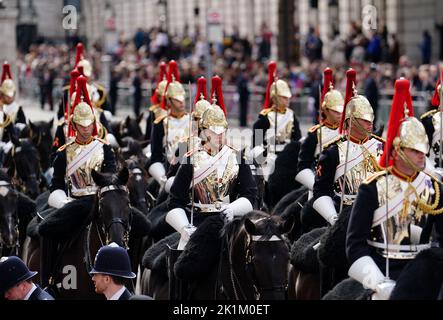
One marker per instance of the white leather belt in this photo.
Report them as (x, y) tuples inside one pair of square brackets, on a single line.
[(399, 251), (348, 199), (216, 207), (84, 191)]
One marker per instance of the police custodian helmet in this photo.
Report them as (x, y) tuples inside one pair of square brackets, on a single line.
[(113, 260), (13, 271)]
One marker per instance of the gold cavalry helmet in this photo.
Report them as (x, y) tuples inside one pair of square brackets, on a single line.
[(174, 89), (331, 99), (7, 86), (412, 134), (280, 88), (355, 106), (214, 117), (200, 103), (83, 114), (404, 130)]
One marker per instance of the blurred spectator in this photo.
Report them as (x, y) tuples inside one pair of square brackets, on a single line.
[(374, 48), (243, 92), (426, 47), (113, 90), (137, 85), (265, 43), (371, 90)]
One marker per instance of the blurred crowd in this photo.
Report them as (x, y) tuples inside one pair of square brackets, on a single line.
[(240, 62)]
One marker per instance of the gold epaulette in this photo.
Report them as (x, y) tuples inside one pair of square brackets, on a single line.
[(315, 128), (429, 113), (160, 118), (63, 147), (102, 141), (154, 106), (374, 176), (378, 138), (265, 112), (337, 139)]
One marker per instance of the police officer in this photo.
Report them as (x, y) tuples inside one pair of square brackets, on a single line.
[(16, 283), (395, 210), (112, 269)]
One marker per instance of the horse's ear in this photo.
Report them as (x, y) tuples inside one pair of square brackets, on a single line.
[(127, 120), (250, 227), (123, 175), (97, 177), (140, 118), (287, 225), (51, 123)]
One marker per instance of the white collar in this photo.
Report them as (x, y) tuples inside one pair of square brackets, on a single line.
[(28, 295), (118, 294)]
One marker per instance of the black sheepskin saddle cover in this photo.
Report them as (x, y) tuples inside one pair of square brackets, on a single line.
[(303, 255), (155, 257), (348, 289), (202, 251)]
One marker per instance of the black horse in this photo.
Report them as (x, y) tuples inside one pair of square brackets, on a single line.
[(23, 162), (127, 128), (248, 261), (109, 220), (41, 135), (9, 221)]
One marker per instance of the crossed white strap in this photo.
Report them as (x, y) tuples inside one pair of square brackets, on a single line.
[(83, 156), (212, 164), (356, 157), (396, 204), (280, 125)]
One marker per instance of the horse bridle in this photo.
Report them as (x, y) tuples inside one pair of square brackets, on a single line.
[(139, 172), (20, 182), (250, 270), (126, 224), (4, 183)]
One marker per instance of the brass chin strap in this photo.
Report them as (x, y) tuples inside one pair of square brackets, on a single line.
[(359, 127)]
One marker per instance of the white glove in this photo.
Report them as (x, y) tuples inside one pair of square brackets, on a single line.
[(187, 231), (383, 290), (158, 172), (58, 199), (325, 207), (228, 215)]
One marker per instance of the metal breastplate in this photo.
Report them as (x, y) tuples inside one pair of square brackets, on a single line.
[(435, 143), (175, 131), (81, 181), (397, 229), (325, 136), (217, 185), (356, 175), (284, 132)]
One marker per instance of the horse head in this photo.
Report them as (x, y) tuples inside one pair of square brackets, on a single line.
[(25, 166), (131, 128), (41, 135), (114, 216), (9, 221), (266, 254), (137, 185)]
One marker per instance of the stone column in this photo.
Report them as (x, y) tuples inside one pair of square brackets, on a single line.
[(344, 17), (324, 25)]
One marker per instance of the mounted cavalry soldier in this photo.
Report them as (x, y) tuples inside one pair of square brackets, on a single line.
[(432, 121), (217, 182), (97, 96), (169, 128), (213, 180), (192, 141), (75, 161), (346, 162), (8, 110), (321, 135), (277, 124), (395, 209)]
